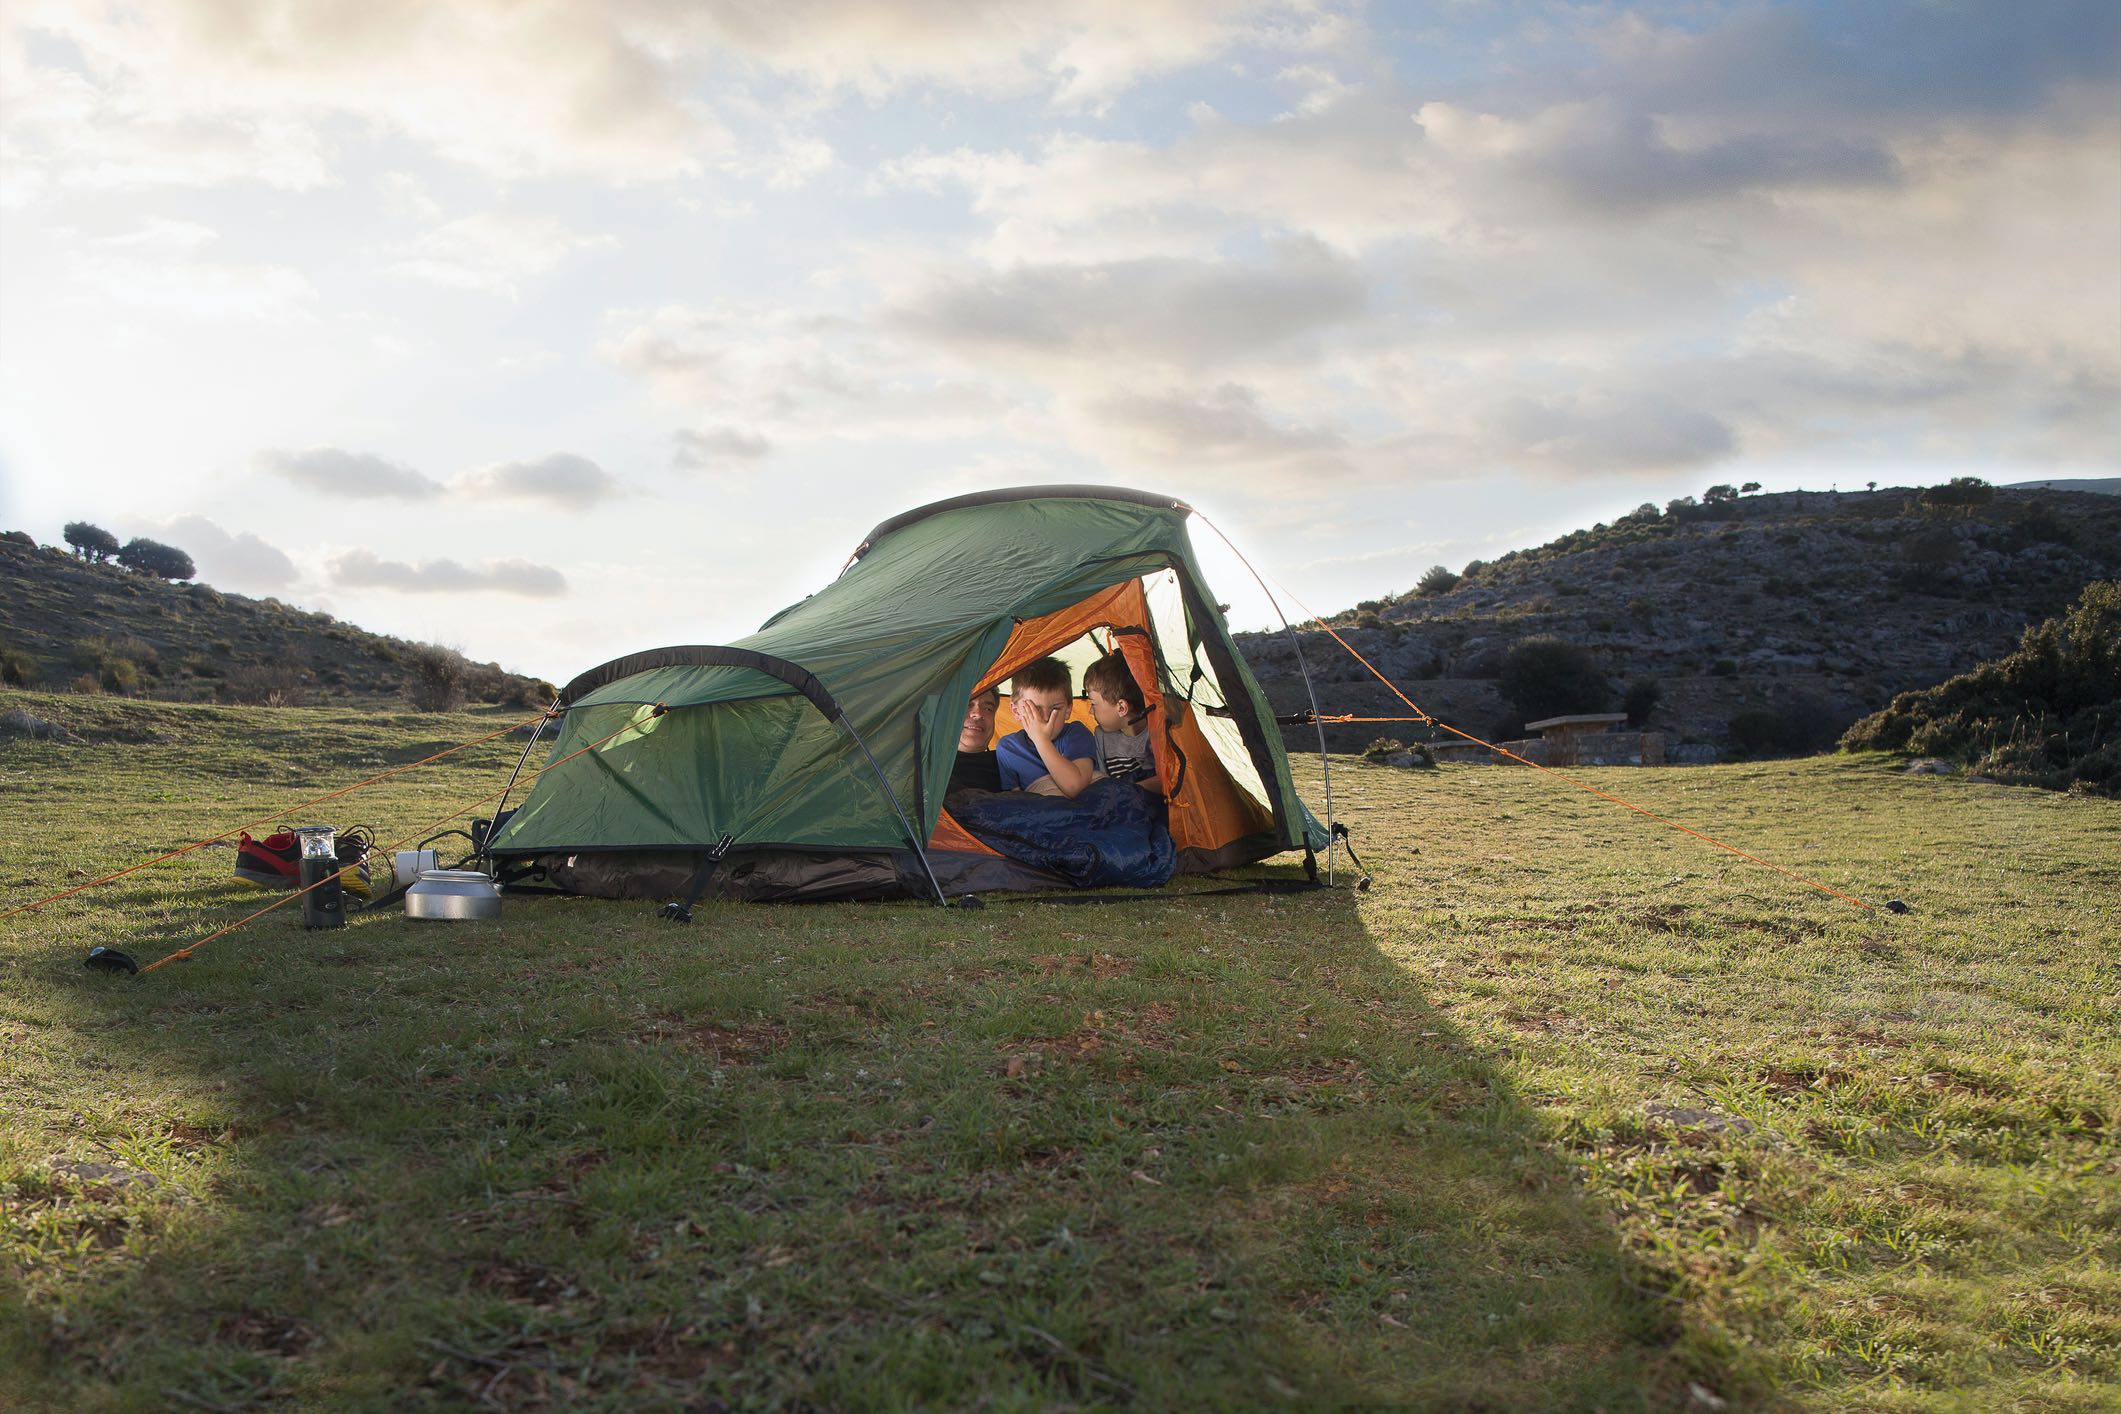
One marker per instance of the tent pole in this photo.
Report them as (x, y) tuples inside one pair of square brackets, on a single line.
[(1325, 766), (891, 795), (532, 745)]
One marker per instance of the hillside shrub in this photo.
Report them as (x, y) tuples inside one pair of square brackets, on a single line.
[(121, 675), (17, 669), (90, 542), (1434, 581), (1382, 747), (129, 645), (117, 664), (437, 677), (2048, 713), (1643, 697), (86, 685), (152, 557), (1795, 726), (263, 685), (1551, 677), (1959, 491), (17, 540)]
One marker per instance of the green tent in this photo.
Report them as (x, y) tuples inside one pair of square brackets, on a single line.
[(821, 746)]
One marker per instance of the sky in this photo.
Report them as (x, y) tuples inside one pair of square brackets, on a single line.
[(551, 331)]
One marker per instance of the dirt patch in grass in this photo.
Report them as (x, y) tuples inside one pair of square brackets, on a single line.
[(671, 1357), (1146, 1028), (1803, 1079), (1540, 1022), (188, 1137), (265, 1332), (1100, 965), (527, 1283), (738, 1043), (1324, 1074), (1967, 1082)]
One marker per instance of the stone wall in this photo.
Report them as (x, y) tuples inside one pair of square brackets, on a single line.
[(1579, 749)]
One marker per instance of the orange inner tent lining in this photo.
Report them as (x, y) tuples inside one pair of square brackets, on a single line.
[(1207, 810)]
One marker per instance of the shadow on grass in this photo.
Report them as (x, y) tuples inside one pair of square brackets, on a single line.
[(1218, 1152)]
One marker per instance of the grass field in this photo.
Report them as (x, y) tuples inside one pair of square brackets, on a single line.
[(1568, 1111)]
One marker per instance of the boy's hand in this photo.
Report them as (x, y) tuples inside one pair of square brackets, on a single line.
[(1041, 723)]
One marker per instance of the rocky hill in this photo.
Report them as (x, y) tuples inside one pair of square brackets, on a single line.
[(70, 624), (1791, 614)]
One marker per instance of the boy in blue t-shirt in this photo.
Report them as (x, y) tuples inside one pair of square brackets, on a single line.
[(1051, 755)]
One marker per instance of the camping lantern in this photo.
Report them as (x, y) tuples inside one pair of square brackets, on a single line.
[(323, 896)]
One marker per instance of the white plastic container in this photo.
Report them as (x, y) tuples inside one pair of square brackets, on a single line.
[(409, 864)]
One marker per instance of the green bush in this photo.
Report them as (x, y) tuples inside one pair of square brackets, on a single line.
[(117, 664), (437, 680), (1436, 580), (90, 542), (1551, 677), (263, 685), (152, 557), (2048, 713), (1642, 698), (1797, 726), (1960, 491), (17, 669)]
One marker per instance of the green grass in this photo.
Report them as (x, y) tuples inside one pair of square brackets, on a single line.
[(1413, 1145)]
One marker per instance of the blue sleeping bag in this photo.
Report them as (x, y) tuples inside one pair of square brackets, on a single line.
[(1112, 834)]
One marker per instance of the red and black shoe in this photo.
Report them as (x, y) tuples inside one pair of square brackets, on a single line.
[(274, 862)]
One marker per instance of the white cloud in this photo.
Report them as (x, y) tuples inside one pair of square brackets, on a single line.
[(1226, 425), (349, 475), (167, 266), (199, 92), (230, 559), (1184, 313), (1646, 263), (789, 375), (716, 449), (494, 252), (1081, 53), (562, 479), (363, 569)]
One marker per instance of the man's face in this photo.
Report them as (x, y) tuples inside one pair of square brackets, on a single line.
[(1050, 703), (979, 722)]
